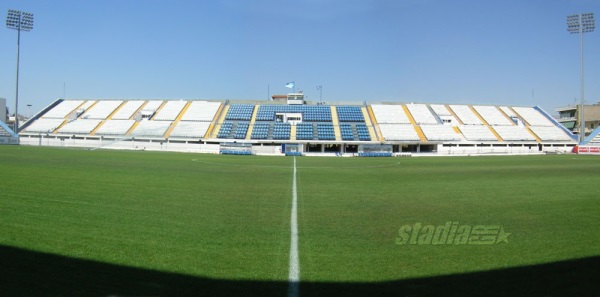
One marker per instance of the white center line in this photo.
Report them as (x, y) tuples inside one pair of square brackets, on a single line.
[(294, 275)]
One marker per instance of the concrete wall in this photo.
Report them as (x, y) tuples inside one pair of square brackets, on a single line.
[(267, 150), (121, 145), (9, 140), (503, 150), (157, 145)]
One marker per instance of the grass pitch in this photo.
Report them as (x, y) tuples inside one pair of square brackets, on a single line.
[(99, 223)]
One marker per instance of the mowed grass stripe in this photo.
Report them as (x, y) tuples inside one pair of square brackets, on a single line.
[(150, 210)]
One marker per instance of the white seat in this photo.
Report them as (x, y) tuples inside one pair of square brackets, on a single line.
[(533, 116), (151, 128), (102, 109), (398, 132), (63, 109), (115, 127), (550, 133), (492, 115), (190, 129), (513, 133), (44, 125), (390, 114), (79, 127), (440, 109), (440, 133), (127, 110), (466, 115), (477, 133), (170, 111), (421, 114), (201, 111)]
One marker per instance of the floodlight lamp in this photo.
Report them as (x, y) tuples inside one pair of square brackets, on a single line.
[(18, 20), (582, 23)]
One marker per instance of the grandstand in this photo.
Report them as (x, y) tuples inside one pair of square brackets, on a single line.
[(80, 127), (465, 115), (7, 136), (127, 110), (595, 140), (115, 127), (422, 114), (201, 125), (102, 110)]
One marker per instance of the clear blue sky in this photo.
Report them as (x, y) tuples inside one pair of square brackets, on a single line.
[(514, 52)]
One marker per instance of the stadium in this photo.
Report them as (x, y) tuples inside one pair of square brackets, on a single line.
[(104, 203), (295, 126), (147, 194)]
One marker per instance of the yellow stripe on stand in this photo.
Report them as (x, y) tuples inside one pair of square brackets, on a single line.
[(420, 133), (177, 119), (495, 133), (132, 128), (89, 108), (97, 127), (138, 110), (371, 123), (520, 117), (158, 110), (60, 126), (454, 115), (409, 115), (336, 123), (217, 124), (534, 135), (293, 132), (504, 114), (212, 122), (252, 121), (109, 117), (479, 116)]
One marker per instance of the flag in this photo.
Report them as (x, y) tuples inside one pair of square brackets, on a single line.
[(290, 85), (319, 87)]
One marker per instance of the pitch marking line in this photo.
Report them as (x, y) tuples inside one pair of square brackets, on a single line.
[(294, 273)]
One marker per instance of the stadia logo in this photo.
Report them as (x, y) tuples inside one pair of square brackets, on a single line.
[(451, 233)]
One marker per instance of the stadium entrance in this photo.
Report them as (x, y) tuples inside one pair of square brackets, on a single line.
[(351, 148), (292, 149)]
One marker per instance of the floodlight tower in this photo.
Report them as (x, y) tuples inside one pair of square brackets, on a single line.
[(20, 21), (320, 88), (579, 24)]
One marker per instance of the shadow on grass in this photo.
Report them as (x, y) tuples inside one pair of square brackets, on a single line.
[(28, 273)]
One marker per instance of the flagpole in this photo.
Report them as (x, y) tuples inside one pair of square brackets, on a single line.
[(291, 85), (320, 88)]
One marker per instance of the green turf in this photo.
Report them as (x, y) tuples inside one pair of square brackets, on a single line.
[(227, 217), (151, 210), (350, 218)]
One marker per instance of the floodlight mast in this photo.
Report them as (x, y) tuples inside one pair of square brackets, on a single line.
[(579, 24), (20, 21)]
